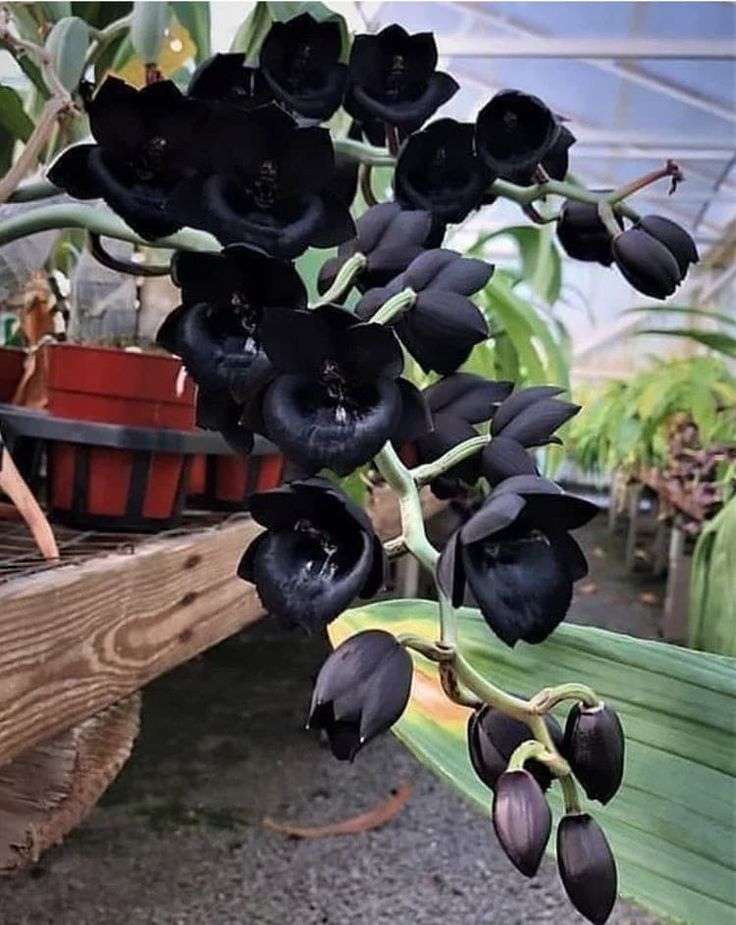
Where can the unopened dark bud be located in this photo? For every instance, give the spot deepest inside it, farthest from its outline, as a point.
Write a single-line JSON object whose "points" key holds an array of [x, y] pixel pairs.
{"points": [[594, 747], [675, 239], [522, 820], [493, 737], [587, 867], [646, 263]]}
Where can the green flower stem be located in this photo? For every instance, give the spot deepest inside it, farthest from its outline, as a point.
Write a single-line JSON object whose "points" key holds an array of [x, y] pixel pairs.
{"points": [[670, 169], [545, 700], [605, 213], [394, 306], [570, 794], [424, 474], [399, 480], [494, 696], [343, 280], [364, 154], [430, 650], [38, 189], [454, 690], [525, 752], [101, 222]]}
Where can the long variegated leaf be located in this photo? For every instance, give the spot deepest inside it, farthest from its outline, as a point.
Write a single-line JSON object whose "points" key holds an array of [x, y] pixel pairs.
{"points": [[672, 826]]}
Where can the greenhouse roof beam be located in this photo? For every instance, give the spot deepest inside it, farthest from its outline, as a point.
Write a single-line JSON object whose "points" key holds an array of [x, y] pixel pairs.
{"points": [[589, 48]]}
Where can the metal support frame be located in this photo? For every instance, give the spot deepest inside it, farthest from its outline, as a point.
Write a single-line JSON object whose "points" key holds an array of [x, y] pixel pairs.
{"points": [[623, 48]]}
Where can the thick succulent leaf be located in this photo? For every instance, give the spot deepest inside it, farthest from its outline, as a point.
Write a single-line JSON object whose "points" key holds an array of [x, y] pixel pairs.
{"points": [[670, 826]]}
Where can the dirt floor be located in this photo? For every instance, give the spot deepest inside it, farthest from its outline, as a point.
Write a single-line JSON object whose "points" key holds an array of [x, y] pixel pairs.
{"points": [[178, 838]]}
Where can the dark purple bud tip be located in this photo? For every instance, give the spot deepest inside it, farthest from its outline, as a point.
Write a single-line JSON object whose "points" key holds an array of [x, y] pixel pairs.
{"points": [[594, 746], [646, 263], [675, 239], [587, 867], [522, 820]]}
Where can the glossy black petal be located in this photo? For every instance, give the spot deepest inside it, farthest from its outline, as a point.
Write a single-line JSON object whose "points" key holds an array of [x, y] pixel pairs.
{"points": [[448, 271], [389, 237], [535, 424], [497, 513], [361, 691], [583, 235], [504, 458], [224, 78], [557, 160], [441, 330], [493, 737], [416, 418], [70, 171], [522, 820], [514, 132], [299, 60], [587, 867], [438, 170], [674, 238], [467, 396], [216, 410], [594, 746], [393, 78], [317, 428], [646, 263], [518, 401], [523, 584]]}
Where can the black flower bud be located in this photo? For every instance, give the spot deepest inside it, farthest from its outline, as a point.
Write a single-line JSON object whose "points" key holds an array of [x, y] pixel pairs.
{"points": [[514, 132], [594, 746], [361, 691], [522, 820], [583, 235], [587, 867], [493, 737], [647, 264], [675, 239]]}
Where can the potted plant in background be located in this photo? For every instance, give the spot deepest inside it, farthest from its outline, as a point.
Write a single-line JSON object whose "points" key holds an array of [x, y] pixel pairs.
{"points": [[227, 174]]}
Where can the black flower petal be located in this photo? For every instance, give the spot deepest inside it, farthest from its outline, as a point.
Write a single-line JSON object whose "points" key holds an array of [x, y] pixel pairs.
{"points": [[594, 746], [438, 170], [299, 61], [504, 458], [441, 330], [216, 410], [467, 396], [646, 263], [514, 132], [448, 271], [583, 235], [361, 691], [416, 418], [224, 78]]}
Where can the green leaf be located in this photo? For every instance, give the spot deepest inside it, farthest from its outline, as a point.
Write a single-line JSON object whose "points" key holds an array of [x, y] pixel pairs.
{"points": [[684, 310], [195, 17], [541, 266], [67, 44], [13, 118], [56, 11], [252, 31], [712, 612], [29, 68], [99, 15], [671, 826], [147, 28], [714, 340]]}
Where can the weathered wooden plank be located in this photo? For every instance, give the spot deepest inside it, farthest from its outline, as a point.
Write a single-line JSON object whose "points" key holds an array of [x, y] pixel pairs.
{"points": [[76, 639]]}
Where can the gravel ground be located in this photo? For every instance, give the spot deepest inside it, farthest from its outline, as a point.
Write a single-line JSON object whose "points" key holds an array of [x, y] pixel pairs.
{"points": [[178, 838]]}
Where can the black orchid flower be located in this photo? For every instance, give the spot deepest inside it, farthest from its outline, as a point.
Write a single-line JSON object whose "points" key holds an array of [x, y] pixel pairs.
{"points": [[335, 400], [269, 185], [438, 170], [527, 418], [443, 325], [493, 737], [393, 78], [583, 235], [216, 330], [223, 78], [318, 553], [595, 745], [647, 263], [361, 691], [556, 162], [457, 402], [216, 409], [147, 143], [389, 237], [299, 60], [518, 557], [514, 133]]}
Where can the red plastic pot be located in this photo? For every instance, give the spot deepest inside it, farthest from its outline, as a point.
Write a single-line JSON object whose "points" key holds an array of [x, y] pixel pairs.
{"points": [[117, 488], [225, 483], [11, 370]]}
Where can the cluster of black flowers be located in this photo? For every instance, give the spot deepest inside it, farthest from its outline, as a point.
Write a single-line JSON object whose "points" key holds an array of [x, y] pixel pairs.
{"points": [[593, 744]]}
